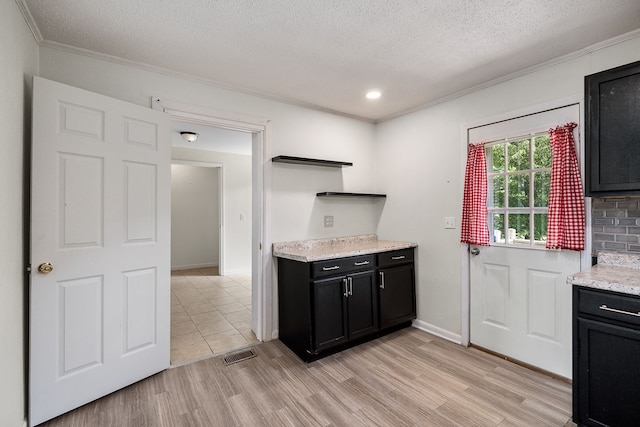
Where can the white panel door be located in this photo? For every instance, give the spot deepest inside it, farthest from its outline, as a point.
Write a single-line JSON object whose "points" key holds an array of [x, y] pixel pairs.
{"points": [[100, 216], [521, 304]]}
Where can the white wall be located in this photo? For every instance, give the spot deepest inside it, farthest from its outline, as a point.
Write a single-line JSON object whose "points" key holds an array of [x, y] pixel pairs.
{"points": [[417, 159], [195, 219], [420, 162], [236, 181], [18, 63], [296, 214], [295, 131]]}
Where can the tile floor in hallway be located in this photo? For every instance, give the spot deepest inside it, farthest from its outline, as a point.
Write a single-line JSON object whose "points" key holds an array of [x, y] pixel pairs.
{"points": [[210, 314]]}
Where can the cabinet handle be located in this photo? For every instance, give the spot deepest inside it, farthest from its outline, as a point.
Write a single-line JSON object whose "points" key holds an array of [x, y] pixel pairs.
{"points": [[361, 263], [335, 267], [350, 280], [615, 310], [395, 258], [381, 280], [346, 292]]}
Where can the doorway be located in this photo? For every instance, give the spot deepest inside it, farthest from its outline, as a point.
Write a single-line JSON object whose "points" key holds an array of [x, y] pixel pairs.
{"points": [[211, 284], [261, 262], [516, 301]]}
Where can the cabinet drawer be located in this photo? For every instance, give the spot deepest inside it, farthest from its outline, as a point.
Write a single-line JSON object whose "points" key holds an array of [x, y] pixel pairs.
{"points": [[339, 266], [623, 308], [395, 257]]}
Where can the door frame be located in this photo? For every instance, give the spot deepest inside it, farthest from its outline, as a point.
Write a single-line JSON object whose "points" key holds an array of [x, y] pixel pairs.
{"points": [[260, 128], [465, 257]]}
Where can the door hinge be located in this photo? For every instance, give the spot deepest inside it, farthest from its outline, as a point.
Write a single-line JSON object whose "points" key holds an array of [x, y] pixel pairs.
{"points": [[29, 268], [260, 246]]}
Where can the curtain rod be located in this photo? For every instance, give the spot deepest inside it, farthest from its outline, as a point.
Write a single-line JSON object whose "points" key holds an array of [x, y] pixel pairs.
{"points": [[518, 137], [524, 115]]}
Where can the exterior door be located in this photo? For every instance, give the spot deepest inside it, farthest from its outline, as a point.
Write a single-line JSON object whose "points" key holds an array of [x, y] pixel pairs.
{"points": [[100, 234], [521, 304]]}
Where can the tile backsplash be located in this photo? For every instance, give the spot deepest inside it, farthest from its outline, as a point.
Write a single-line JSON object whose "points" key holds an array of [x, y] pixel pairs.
{"points": [[615, 224]]}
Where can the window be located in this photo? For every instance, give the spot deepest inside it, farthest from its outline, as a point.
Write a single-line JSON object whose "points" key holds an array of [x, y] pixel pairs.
{"points": [[519, 176]]}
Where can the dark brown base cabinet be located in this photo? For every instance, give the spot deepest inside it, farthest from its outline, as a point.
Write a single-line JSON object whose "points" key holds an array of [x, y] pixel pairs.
{"points": [[326, 306], [606, 358]]}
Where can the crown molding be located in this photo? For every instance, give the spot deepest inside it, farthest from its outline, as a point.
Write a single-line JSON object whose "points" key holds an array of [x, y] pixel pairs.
{"points": [[31, 23], [529, 70], [194, 78], [226, 86]]}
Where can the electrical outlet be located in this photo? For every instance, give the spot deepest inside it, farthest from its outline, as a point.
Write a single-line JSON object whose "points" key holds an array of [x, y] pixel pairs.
{"points": [[328, 221], [449, 222]]}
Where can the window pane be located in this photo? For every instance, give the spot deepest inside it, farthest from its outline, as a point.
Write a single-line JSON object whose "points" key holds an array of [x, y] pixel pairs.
{"points": [[495, 197], [518, 155], [496, 227], [495, 158], [541, 185], [518, 191], [518, 232], [541, 152], [540, 228]]}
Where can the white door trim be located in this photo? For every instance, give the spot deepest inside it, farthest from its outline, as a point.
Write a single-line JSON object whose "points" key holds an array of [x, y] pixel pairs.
{"points": [[262, 312], [585, 258]]}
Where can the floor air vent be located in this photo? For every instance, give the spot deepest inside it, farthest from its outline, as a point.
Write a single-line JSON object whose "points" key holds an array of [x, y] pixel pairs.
{"points": [[238, 357]]}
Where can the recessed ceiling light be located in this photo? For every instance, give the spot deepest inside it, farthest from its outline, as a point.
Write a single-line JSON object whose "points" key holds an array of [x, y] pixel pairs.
{"points": [[374, 94]]}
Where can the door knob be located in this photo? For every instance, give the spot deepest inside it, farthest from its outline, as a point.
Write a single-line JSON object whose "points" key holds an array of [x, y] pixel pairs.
{"points": [[45, 268], [474, 251]]}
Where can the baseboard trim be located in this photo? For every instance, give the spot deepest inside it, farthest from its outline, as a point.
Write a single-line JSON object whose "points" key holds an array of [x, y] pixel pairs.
{"points": [[435, 330], [190, 266], [275, 334]]}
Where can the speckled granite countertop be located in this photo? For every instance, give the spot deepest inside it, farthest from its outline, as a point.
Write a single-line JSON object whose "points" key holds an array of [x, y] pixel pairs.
{"points": [[616, 272], [337, 247]]}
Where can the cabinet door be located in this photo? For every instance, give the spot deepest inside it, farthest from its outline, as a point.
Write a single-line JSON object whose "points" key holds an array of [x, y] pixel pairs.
{"points": [[397, 295], [608, 374], [612, 149], [329, 314], [362, 303]]}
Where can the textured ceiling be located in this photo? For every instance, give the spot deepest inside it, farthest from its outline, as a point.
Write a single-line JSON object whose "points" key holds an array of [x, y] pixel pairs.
{"points": [[327, 53]]}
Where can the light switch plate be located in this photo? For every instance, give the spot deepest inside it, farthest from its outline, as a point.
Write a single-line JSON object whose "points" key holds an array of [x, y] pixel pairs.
{"points": [[328, 221], [449, 222]]}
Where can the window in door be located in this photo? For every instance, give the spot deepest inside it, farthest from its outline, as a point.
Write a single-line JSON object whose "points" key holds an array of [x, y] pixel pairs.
{"points": [[519, 177]]}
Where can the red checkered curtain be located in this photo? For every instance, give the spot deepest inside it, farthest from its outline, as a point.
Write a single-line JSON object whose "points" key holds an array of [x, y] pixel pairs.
{"points": [[475, 230], [566, 221]]}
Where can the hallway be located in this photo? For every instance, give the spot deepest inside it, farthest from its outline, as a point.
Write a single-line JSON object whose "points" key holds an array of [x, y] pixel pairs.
{"points": [[210, 314]]}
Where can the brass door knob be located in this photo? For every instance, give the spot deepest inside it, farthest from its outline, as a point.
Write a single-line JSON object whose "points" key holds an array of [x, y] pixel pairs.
{"points": [[45, 268]]}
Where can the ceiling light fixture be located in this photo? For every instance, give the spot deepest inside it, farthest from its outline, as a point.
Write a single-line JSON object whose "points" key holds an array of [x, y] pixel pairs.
{"points": [[189, 136], [374, 94]]}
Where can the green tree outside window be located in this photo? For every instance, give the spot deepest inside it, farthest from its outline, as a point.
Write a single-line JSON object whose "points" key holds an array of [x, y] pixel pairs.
{"points": [[519, 176]]}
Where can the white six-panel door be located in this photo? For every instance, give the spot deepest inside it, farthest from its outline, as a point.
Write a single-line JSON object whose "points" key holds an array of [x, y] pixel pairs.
{"points": [[521, 304], [100, 215]]}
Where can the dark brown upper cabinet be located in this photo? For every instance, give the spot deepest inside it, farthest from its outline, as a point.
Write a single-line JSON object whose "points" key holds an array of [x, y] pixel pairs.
{"points": [[613, 131]]}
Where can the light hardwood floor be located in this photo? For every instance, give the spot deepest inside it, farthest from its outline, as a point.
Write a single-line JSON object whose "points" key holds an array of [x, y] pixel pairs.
{"points": [[408, 378]]}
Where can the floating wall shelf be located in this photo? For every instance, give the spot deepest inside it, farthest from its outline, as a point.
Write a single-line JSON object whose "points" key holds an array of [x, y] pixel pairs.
{"points": [[339, 194], [312, 162]]}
